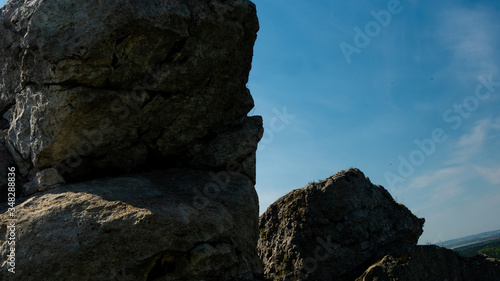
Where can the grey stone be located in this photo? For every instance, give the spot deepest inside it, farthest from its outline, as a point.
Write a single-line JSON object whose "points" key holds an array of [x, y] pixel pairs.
{"points": [[174, 224], [46, 179], [333, 229], [429, 263], [97, 94], [107, 87], [6, 161]]}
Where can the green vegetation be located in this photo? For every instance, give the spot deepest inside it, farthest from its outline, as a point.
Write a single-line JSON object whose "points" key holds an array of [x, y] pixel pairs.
{"points": [[402, 260], [490, 248], [491, 252], [262, 232]]}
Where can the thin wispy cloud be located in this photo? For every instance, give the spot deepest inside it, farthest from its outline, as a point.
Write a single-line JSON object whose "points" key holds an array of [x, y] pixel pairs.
{"points": [[476, 138], [464, 157], [470, 145], [436, 178], [448, 190], [461, 174], [492, 174], [471, 36]]}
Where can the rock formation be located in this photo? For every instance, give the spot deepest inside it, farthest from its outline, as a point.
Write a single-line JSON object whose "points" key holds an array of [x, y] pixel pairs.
{"points": [[340, 227], [422, 263], [150, 226], [5, 161], [333, 229], [105, 87], [129, 120], [126, 122]]}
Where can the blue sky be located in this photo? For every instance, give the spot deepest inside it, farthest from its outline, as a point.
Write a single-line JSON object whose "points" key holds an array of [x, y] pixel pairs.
{"points": [[404, 109], [399, 102]]}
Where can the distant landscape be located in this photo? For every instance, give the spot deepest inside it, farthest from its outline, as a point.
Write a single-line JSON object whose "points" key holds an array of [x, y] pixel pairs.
{"points": [[487, 243]]}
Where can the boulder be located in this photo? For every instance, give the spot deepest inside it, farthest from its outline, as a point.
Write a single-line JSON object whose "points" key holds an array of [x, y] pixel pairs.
{"points": [[175, 224], [6, 162], [429, 263], [105, 87], [333, 229], [126, 122]]}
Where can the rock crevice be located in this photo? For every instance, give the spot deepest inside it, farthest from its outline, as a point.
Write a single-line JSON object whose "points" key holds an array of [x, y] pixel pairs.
{"points": [[81, 86], [127, 124]]}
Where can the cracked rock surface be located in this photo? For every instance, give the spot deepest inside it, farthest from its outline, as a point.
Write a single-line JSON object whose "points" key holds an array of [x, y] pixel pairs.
{"points": [[105, 87], [151, 226], [126, 122], [333, 229]]}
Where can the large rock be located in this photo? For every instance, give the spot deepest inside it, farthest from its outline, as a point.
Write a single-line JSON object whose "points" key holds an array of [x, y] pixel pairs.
{"points": [[104, 87], [429, 263], [163, 225], [94, 96], [6, 162], [333, 229]]}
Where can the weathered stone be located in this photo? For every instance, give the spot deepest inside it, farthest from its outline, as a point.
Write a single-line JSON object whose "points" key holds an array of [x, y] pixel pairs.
{"points": [[163, 225], [107, 87], [108, 90], [46, 179], [236, 145], [429, 263], [6, 161], [333, 229], [4, 125]]}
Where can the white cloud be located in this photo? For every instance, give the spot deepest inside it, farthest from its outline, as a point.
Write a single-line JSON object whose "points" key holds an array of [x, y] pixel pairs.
{"points": [[448, 190], [492, 174], [470, 35], [472, 144], [433, 178], [452, 189], [476, 138], [439, 187]]}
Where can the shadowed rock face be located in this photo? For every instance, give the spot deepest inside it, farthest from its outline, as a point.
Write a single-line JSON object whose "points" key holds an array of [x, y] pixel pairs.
{"points": [[95, 95], [108, 87], [342, 226], [5, 162], [139, 227], [333, 229], [127, 124], [422, 263]]}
